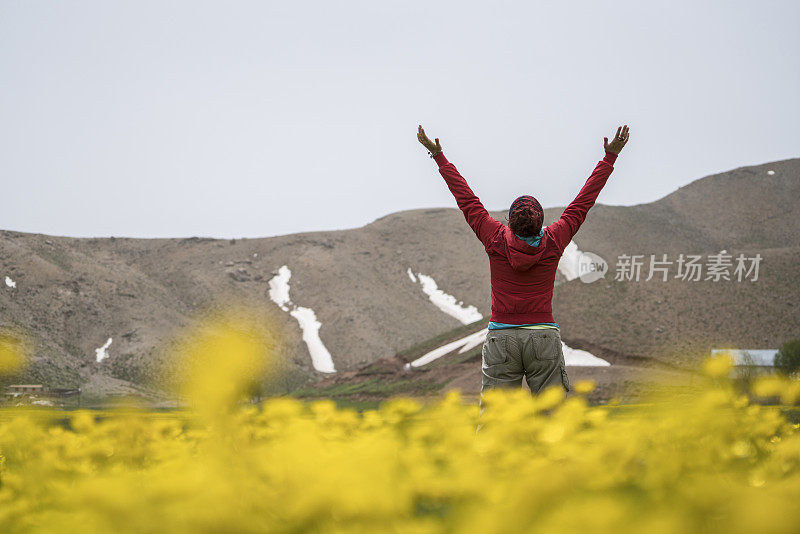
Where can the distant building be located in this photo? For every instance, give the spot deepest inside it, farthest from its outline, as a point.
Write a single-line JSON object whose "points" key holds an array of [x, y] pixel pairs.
{"points": [[756, 357], [24, 389], [38, 390]]}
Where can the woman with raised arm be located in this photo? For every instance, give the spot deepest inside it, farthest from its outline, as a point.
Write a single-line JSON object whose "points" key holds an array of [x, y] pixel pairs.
{"points": [[523, 338]]}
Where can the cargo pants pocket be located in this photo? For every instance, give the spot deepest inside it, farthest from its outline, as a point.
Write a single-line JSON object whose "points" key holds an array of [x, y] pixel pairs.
{"points": [[499, 365], [547, 345], [494, 351]]}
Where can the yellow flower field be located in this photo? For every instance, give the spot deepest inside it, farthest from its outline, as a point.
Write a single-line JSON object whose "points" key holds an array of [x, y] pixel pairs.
{"points": [[704, 462]]}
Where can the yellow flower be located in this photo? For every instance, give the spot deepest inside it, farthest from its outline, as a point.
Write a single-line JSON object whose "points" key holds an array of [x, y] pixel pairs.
{"points": [[583, 387], [223, 360], [718, 366], [14, 351], [665, 465]]}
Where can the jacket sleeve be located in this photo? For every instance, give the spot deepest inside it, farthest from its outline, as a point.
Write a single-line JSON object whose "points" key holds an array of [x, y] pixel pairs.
{"points": [[483, 224], [567, 226]]}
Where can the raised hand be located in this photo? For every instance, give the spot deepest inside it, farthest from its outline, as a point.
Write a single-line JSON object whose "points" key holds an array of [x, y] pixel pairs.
{"points": [[615, 146], [433, 148]]}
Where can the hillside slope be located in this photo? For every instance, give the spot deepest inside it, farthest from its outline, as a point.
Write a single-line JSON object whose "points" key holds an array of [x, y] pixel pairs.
{"points": [[73, 294]]}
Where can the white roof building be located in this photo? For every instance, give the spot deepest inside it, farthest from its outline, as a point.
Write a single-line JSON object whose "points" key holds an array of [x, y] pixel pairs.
{"points": [[760, 357]]}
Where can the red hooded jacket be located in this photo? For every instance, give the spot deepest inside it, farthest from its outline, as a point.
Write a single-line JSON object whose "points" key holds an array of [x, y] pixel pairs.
{"points": [[523, 276]]}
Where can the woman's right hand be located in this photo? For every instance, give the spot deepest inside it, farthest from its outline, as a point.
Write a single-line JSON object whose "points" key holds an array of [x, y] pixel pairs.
{"points": [[433, 148]]}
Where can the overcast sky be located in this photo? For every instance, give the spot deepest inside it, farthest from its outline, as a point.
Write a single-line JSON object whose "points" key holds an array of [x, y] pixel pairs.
{"points": [[246, 119]]}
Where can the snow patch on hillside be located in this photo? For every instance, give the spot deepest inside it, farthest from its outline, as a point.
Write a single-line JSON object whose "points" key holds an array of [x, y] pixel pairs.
{"points": [[465, 344], [279, 294], [10, 283], [572, 357], [320, 356], [568, 264], [102, 353], [279, 288], [575, 357], [447, 303]]}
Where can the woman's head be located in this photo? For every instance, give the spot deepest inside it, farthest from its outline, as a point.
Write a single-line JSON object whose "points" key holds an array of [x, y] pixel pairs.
{"points": [[525, 216]]}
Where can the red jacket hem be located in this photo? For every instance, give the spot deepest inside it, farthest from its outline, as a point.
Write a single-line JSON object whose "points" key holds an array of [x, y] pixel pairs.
{"points": [[522, 318]]}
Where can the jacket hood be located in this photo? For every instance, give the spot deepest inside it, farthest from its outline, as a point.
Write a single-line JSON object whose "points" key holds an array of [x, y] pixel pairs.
{"points": [[521, 255]]}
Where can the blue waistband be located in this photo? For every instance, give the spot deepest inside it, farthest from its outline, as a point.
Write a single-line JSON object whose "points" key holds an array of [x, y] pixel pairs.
{"points": [[500, 326]]}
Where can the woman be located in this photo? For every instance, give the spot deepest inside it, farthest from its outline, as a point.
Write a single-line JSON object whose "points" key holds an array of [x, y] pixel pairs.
{"points": [[523, 338]]}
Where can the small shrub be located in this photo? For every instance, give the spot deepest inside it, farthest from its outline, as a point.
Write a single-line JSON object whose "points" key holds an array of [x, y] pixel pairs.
{"points": [[787, 361]]}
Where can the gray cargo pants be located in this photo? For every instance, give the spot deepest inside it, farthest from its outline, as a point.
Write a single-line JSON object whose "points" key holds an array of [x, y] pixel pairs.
{"points": [[511, 353]]}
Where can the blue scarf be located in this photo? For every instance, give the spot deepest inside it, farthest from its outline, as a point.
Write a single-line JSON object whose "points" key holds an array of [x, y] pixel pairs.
{"points": [[533, 240]]}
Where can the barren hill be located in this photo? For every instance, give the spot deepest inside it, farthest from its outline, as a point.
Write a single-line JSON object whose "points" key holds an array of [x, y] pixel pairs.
{"points": [[750, 211], [73, 294]]}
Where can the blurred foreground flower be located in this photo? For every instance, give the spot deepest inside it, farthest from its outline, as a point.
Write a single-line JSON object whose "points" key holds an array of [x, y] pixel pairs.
{"points": [[584, 387], [718, 366], [224, 360], [709, 461], [14, 352]]}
